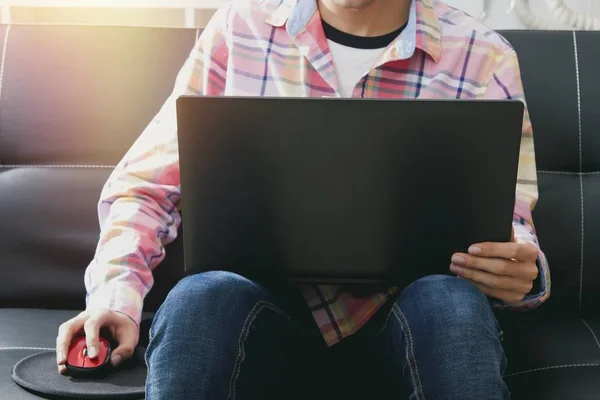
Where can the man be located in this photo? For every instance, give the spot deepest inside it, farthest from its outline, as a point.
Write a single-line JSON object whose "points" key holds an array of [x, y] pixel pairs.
{"points": [[221, 336]]}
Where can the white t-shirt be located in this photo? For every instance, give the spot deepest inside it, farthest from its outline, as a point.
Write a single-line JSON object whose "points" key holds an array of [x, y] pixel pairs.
{"points": [[351, 64], [354, 56]]}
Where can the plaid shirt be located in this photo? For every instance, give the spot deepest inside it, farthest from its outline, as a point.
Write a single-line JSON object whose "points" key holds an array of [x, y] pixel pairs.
{"points": [[274, 48]]}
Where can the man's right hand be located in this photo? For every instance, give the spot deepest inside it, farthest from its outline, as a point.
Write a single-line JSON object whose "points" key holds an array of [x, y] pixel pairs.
{"points": [[121, 327]]}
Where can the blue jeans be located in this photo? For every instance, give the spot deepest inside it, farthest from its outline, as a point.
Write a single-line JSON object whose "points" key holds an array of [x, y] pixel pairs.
{"points": [[219, 336]]}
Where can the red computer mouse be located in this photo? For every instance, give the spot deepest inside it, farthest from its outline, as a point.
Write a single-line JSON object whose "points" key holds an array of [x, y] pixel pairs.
{"points": [[79, 364]]}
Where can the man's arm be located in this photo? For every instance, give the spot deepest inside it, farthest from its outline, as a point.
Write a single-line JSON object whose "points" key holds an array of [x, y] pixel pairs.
{"points": [[491, 276], [138, 205], [506, 83]]}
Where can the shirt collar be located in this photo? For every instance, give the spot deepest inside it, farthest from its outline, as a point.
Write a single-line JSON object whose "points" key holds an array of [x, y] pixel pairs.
{"points": [[422, 30]]}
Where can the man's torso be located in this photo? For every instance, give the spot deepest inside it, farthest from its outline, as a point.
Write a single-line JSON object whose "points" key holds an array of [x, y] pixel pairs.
{"points": [[280, 49]]}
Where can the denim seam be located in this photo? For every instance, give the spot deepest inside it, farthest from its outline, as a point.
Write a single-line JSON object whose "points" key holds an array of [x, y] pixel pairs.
{"points": [[386, 323], [258, 307], [500, 337], [150, 336], [496, 330], [414, 371]]}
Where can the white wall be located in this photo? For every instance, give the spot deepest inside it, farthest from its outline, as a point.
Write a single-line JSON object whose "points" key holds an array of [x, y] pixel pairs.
{"points": [[180, 12], [498, 19]]}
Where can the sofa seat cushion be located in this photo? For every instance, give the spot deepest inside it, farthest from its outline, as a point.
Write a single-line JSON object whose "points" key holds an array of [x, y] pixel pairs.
{"points": [[552, 357], [31, 327], [549, 358], [24, 332], [573, 382]]}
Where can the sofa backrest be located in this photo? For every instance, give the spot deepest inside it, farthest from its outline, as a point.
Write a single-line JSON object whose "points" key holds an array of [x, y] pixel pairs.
{"points": [[74, 99], [562, 87]]}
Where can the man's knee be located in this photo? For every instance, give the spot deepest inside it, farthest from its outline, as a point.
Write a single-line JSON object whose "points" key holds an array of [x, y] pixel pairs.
{"points": [[445, 302], [201, 291]]}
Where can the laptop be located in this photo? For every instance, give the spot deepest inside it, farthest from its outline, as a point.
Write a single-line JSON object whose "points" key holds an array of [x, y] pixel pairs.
{"points": [[343, 191]]}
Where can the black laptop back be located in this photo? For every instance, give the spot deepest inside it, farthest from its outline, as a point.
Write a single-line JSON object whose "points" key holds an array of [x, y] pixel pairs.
{"points": [[343, 190]]}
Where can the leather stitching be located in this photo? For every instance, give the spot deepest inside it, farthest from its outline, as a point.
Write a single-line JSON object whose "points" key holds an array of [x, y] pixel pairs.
{"points": [[410, 351], [569, 173], [27, 348], [3, 60], [552, 367], [580, 165], [258, 307], [591, 331]]}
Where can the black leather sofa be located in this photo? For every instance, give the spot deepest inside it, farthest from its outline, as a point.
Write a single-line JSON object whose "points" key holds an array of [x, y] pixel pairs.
{"points": [[73, 99]]}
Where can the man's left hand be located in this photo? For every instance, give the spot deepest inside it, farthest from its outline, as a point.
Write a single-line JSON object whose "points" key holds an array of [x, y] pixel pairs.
{"points": [[504, 271]]}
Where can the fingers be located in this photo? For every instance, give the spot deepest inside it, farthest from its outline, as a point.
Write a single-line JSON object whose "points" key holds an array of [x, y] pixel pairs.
{"points": [[498, 266], [492, 280], [505, 271], [66, 331], [126, 333], [527, 271], [125, 349], [507, 296], [122, 328], [526, 252], [92, 332], [519, 251]]}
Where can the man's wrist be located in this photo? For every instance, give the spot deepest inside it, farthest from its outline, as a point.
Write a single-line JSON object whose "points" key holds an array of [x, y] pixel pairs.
{"points": [[120, 298]]}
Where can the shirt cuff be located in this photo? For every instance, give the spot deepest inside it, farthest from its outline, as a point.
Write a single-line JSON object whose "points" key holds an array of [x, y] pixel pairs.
{"points": [[119, 297], [535, 298]]}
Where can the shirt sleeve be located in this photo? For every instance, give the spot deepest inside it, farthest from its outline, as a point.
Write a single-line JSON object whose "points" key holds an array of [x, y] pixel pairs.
{"points": [[506, 83], [138, 206]]}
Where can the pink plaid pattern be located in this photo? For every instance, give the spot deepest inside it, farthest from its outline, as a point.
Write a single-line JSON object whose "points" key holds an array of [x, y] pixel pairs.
{"points": [[278, 48]]}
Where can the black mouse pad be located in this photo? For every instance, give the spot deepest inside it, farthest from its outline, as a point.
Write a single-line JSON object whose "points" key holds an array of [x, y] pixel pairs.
{"points": [[38, 374]]}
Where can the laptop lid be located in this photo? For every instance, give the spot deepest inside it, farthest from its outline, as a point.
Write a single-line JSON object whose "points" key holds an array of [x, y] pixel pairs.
{"points": [[343, 190]]}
